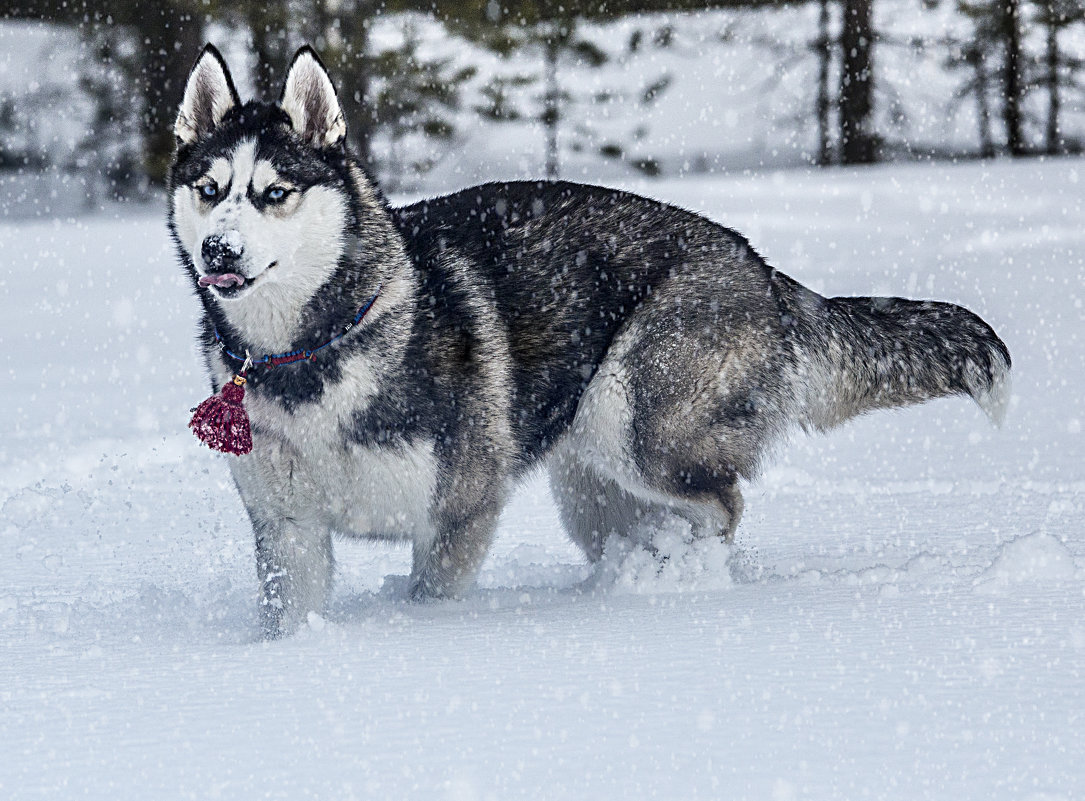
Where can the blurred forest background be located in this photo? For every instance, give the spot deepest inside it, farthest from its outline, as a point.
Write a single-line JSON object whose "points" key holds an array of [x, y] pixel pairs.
{"points": [[442, 90]]}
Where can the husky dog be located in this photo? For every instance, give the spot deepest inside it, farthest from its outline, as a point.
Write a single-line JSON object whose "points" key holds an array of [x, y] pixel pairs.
{"points": [[646, 355]]}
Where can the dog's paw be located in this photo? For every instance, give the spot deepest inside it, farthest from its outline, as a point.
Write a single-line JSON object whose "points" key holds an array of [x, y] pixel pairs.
{"points": [[422, 591], [418, 592], [277, 622]]}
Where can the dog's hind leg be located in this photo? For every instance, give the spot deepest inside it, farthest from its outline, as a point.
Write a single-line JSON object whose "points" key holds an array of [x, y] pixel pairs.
{"points": [[593, 507], [694, 470], [679, 424], [715, 513]]}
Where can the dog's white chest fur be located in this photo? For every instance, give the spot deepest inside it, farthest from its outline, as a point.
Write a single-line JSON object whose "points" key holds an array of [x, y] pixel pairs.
{"points": [[309, 467], [388, 492]]}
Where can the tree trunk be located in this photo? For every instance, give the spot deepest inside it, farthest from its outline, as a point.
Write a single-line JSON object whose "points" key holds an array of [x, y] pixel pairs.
{"points": [[1011, 77], [171, 35], [1054, 146], [267, 21], [987, 144], [824, 48], [353, 73], [315, 21], [857, 141], [551, 112]]}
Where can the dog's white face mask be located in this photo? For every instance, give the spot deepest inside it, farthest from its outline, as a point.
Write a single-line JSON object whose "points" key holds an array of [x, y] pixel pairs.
{"points": [[261, 239]]}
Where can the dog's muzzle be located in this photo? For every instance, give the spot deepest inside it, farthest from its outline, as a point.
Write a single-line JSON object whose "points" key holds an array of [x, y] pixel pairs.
{"points": [[222, 252], [222, 258]]}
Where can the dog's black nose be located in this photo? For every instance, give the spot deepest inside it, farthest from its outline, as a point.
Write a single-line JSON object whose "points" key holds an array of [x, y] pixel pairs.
{"points": [[220, 251]]}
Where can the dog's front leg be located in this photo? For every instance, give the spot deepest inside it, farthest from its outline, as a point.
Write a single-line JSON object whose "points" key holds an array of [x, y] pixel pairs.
{"points": [[446, 564], [294, 563]]}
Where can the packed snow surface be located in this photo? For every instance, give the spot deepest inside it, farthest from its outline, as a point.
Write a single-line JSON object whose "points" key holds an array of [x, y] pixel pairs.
{"points": [[902, 614]]}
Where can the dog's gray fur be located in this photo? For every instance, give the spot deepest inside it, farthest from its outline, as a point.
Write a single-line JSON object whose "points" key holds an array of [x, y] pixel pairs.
{"points": [[647, 355]]}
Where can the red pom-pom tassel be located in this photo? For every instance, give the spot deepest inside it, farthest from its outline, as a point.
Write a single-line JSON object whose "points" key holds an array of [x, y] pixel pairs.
{"points": [[221, 421]]}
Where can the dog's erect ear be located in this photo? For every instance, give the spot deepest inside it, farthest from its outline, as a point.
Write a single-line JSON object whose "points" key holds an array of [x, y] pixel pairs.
{"points": [[309, 100], [209, 94]]}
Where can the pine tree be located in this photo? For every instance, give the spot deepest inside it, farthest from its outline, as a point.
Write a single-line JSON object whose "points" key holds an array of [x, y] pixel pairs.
{"points": [[979, 57], [824, 47], [170, 34], [413, 95], [269, 31], [551, 41], [1058, 69], [558, 41], [998, 62], [1009, 28], [858, 141], [109, 152]]}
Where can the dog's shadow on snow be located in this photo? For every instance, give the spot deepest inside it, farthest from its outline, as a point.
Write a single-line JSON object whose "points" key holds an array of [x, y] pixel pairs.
{"points": [[668, 563], [665, 565]]}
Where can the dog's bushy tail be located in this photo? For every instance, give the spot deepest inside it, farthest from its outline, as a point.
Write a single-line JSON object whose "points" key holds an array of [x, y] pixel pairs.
{"points": [[876, 353]]}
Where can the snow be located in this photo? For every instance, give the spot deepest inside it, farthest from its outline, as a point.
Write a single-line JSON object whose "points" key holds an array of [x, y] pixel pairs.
{"points": [[902, 614], [1036, 558]]}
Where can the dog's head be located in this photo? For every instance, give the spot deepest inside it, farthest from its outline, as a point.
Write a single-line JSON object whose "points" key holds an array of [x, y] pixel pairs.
{"points": [[262, 195]]}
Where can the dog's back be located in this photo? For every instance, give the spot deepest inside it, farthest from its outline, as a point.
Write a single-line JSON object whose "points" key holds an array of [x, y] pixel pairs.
{"points": [[568, 265], [657, 356]]}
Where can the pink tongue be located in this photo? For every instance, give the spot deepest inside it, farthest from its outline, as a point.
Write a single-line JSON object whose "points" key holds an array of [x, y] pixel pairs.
{"points": [[222, 279]]}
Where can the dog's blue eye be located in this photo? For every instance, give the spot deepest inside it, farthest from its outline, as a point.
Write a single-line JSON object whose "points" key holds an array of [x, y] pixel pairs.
{"points": [[210, 190], [276, 193]]}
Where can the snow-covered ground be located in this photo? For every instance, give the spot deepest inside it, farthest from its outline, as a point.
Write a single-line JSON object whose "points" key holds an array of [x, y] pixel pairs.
{"points": [[902, 616]]}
